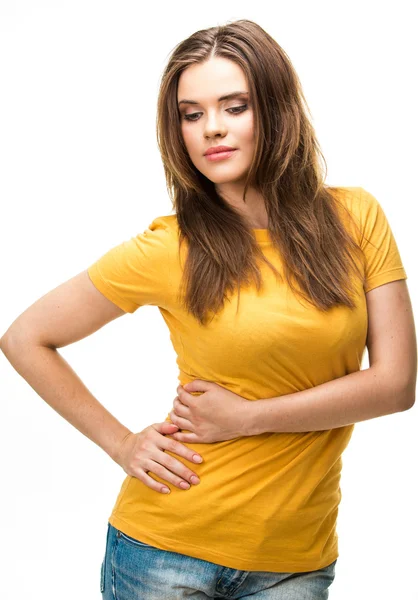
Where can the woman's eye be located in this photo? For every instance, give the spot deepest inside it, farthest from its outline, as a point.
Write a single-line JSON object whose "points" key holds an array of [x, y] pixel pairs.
{"points": [[238, 109]]}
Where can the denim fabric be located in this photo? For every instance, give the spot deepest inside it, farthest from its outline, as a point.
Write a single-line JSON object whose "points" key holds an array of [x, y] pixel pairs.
{"points": [[133, 570]]}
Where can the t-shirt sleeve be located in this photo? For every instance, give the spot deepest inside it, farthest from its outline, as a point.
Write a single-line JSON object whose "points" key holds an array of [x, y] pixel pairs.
{"points": [[383, 262], [135, 272]]}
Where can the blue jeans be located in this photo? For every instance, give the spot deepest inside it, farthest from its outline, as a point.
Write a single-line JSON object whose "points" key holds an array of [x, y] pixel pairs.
{"points": [[133, 570]]}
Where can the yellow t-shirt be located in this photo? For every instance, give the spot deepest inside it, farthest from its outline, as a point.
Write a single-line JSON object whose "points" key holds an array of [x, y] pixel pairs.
{"points": [[266, 502]]}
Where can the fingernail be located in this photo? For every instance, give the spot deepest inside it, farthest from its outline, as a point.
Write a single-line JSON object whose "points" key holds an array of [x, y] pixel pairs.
{"points": [[197, 458]]}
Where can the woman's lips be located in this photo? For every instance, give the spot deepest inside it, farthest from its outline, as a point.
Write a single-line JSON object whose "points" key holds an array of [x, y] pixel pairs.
{"points": [[219, 155]]}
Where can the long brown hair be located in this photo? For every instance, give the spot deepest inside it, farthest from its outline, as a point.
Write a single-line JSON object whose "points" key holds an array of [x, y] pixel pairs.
{"points": [[303, 219]]}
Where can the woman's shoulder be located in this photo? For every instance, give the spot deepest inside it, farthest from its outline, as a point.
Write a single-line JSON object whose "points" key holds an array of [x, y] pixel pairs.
{"points": [[167, 222], [346, 193], [163, 230], [353, 196], [356, 199]]}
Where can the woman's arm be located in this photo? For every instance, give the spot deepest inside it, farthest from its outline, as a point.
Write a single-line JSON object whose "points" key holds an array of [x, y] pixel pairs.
{"points": [[66, 314], [355, 397], [53, 379]]}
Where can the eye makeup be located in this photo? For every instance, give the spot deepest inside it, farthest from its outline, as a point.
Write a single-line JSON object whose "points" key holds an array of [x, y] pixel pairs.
{"points": [[234, 110]]}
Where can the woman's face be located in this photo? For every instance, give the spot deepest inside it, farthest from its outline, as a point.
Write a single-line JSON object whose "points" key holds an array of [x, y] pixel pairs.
{"points": [[209, 121]]}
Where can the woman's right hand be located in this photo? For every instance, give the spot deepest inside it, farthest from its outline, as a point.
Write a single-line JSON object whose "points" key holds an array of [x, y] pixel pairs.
{"points": [[143, 452]]}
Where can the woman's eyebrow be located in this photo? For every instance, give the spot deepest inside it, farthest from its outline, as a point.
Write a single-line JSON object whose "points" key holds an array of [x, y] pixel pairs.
{"points": [[226, 97]]}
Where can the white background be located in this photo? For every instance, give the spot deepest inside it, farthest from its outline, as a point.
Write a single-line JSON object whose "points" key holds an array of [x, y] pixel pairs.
{"points": [[81, 171]]}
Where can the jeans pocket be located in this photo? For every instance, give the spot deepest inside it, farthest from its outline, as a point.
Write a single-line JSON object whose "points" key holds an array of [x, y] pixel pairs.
{"points": [[102, 576], [133, 541]]}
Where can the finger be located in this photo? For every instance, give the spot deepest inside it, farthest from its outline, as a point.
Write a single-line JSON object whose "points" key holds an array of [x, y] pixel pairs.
{"points": [[181, 422], [185, 397], [181, 409], [186, 437]]}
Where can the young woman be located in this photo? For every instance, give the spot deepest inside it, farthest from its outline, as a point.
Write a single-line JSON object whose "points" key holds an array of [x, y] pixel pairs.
{"points": [[271, 283]]}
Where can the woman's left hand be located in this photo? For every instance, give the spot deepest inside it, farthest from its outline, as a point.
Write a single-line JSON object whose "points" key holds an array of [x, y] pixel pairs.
{"points": [[215, 415]]}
